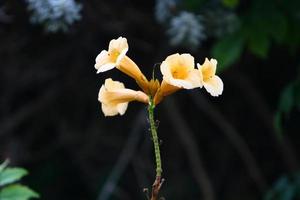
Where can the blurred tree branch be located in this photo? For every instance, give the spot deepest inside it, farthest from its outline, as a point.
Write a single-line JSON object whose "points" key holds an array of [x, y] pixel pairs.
{"points": [[234, 137], [188, 141], [126, 155], [260, 107]]}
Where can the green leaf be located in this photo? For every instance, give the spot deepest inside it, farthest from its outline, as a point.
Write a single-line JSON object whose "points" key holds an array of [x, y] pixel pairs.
{"points": [[286, 101], [230, 3], [3, 165], [17, 192], [228, 50], [259, 44], [297, 93], [10, 175]]}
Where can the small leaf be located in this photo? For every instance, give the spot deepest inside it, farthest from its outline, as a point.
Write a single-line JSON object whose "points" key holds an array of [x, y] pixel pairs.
{"points": [[259, 44], [228, 50], [17, 192], [3, 165], [286, 101], [10, 175]]}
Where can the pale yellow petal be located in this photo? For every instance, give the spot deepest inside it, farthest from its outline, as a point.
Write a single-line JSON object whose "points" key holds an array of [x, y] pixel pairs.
{"points": [[122, 107], [214, 86], [121, 56], [186, 84], [200, 73], [208, 69], [188, 60], [106, 67], [114, 97], [118, 44], [113, 85], [112, 110], [103, 62], [195, 78]]}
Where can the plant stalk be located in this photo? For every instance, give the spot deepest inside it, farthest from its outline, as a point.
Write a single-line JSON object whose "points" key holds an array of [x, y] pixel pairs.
{"points": [[151, 107]]}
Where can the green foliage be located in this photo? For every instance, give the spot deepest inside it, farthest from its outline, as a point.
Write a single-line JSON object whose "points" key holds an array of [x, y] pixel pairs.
{"points": [[289, 99], [8, 189], [10, 175], [285, 188], [227, 50], [261, 25], [17, 192], [230, 3]]}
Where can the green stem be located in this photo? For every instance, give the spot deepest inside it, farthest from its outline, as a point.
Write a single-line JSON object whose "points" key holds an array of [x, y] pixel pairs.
{"points": [[151, 107]]}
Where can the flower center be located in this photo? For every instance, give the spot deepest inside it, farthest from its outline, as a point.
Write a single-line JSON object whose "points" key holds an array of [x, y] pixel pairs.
{"points": [[179, 71], [114, 55], [207, 74]]}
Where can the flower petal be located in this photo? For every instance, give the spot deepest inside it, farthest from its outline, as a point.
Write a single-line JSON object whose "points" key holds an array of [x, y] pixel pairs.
{"points": [[106, 67], [208, 68], [109, 110], [195, 78], [121, 56], [122, 107], [118, 44], [214, 86]]}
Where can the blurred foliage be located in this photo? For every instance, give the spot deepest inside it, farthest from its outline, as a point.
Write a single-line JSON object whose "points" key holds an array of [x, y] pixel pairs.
{"points": [[54, 15], [253, 27], [286, 187], [260, 25], [9, 189], [289, 99]]}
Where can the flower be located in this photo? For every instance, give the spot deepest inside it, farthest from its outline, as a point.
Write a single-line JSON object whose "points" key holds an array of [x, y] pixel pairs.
{"points": [[114, 97], [108, 60], [116, 57], [178, 70], [211, 82]]}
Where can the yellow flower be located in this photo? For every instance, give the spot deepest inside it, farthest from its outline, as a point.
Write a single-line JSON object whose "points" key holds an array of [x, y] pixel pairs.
{"points": [[211, 82], [116, 57], [114, 97], [178, 70], [108, 60]]}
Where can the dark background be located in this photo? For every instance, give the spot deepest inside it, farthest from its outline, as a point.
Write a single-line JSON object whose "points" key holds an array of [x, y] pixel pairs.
{"points": [[212, 148]]}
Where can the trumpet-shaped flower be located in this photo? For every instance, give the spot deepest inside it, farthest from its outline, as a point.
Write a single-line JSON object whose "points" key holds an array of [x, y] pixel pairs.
{"points": [[108, 60], [211, 82], [178, 70], [116, 57], [114, 97]]}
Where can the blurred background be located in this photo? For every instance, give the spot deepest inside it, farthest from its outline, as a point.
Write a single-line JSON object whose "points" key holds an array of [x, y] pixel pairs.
{"points": [[242, 145]]}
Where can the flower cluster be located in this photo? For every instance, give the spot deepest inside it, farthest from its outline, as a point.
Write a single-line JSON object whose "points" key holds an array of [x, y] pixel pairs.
{"points": [[54, 14], [178, 72], [186, 29]]}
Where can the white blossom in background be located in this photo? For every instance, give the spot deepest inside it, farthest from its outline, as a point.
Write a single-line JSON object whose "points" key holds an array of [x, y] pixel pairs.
{"points": [[55, 15], [163, 9], [186, 29]]}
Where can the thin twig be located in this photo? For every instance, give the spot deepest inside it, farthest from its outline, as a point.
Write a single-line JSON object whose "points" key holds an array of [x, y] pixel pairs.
{"points": [[189, 143], [125, 157], [234, 137], [255, 100]]}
